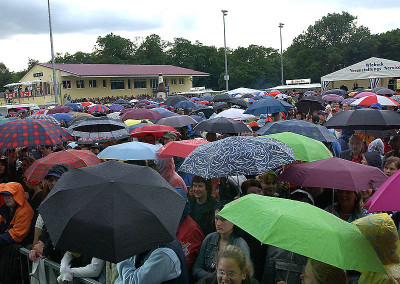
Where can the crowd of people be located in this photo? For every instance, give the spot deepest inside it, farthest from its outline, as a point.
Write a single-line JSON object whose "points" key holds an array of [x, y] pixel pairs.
{"points": [[208, 248]]}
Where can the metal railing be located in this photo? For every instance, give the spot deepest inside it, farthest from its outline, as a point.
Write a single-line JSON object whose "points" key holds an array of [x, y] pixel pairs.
{"points": [[51, 265]]}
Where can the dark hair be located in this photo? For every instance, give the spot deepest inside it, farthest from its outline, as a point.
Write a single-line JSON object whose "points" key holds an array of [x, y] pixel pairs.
{"points": [[236, 230], [207, 182], [248, 183], [394, 160], [358, 204]]}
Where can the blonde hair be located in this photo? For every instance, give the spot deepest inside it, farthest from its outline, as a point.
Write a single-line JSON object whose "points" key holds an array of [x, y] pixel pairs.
{"points": [[327, 274], [235, 253]]}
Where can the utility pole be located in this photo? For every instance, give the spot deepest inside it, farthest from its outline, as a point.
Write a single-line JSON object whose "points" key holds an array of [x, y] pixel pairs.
{"points": [[226, 77], [280, 31], [55, 85]]}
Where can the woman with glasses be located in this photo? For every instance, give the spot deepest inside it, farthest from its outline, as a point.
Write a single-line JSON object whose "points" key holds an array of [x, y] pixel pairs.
{"points": [[205, 264]]}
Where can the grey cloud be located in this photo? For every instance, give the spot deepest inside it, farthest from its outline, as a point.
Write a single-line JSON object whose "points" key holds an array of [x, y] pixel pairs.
{"points": [[31, 17]]}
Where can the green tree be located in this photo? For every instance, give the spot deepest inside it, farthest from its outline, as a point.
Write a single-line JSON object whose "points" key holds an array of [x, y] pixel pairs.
{"points": [[152, 51], [114, 49], [5, 76], [388, 45]]}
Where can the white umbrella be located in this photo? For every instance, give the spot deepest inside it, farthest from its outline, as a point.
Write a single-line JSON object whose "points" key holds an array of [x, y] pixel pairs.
{"points": [[234, 113]]}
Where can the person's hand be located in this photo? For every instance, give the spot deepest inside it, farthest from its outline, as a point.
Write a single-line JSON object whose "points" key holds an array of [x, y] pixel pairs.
{"points": [[34, 254], [39, 247]]}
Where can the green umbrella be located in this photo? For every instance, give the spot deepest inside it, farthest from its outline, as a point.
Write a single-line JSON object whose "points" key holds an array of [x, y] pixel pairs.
{"points": [[304, 148], [304, 229]]}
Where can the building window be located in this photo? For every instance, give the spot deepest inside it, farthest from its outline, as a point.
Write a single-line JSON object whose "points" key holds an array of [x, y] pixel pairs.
{"points": [[139, 84], [104, 84], [92, 83], [129, 84], [153, 83], [66, 84], [117, 85], [165, 82], [80, 84], [181, 81], [173, 81]]}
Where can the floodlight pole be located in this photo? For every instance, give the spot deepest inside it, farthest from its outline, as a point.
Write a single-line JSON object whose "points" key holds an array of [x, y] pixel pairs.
{"points": [[280, 31], [55, 87], [226, 77]]}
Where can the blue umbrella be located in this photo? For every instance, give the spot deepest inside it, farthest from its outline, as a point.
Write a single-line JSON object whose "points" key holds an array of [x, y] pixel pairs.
{"points": [[133, 127], [160, 110], [75, 107], [301, 127], [116, 107], [195, 98], [206, 98], [237, 155], [62, 116], [130, 151], [185, 104], [268, 105]]}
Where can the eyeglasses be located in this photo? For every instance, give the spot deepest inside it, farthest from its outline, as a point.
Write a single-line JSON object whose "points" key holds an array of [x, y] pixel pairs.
{"points": [[230, 274]]}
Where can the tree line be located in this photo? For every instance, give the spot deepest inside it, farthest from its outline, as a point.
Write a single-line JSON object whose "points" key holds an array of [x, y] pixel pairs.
{"points": [[333, 42]]}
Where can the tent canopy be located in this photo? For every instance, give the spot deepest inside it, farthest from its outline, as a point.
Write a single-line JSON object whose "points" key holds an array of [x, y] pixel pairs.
{"points": [[370, 68], [298, 86]]}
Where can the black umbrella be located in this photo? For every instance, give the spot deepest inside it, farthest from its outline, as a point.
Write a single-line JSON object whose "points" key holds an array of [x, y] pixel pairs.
{"points": [[171, 101], [112, 211], [220, 106], [222, 125], [206, 110], [239, 102], [308, 104], [159, 100], [365, 119], [221, 98], [385, 92], [121, 101], [98, 127], [336, 92]]}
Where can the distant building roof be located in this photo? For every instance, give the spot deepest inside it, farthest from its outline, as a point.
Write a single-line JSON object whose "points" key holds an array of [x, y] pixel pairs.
{"points": [[123, 70]]}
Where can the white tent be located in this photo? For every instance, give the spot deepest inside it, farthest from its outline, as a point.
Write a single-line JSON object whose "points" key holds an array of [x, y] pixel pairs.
{"points": [[298, 86], [372, 69], [242, 91]]}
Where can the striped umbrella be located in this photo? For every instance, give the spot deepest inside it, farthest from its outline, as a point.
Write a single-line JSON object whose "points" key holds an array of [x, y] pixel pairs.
{"points": [[368, 101], [363, 94], [40, 111], [48, 118], [28, 132], [98, 108]]}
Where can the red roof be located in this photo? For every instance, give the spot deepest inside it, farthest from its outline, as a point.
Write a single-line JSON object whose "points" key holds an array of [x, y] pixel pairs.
{"points": [[123, 70]]}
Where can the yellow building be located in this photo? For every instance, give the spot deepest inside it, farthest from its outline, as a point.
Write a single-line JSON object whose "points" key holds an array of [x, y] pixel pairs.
{"points": [[77, 81]]}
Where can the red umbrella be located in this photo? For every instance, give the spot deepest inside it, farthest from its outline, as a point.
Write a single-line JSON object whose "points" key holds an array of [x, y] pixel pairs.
{"points": [[203, 103], [157, 130], [59, 109], [84, 104], [334, 173], [274, 93], [98, 108], [141, 114], [180, 148], [73, 159]]}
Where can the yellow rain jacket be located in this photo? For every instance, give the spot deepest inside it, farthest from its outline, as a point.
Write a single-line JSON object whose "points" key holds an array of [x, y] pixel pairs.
{"points": [[382, 233]]}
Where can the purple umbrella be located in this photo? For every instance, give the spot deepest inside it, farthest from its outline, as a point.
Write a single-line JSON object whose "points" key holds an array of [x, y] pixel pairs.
{"points": [[141, 114], [59, 109], [332, 98], [116, 107], [177, 121], [364, 94], [334, 173], [387, 197], [348, 101]]}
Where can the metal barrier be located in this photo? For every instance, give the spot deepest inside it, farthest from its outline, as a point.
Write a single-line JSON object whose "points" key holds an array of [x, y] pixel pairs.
{"points": [[51, 265]]}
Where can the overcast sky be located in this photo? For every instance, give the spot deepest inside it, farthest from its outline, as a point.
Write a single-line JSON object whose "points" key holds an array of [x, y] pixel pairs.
{"points": [[24, 29]]}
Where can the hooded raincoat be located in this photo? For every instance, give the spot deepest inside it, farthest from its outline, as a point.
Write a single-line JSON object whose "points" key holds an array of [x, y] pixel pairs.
{"points": [[382, 233], [15, 223], [166, 168]]}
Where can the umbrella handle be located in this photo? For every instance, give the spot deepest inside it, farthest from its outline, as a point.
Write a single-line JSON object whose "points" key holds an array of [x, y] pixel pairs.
{"points": [[290, 266]]}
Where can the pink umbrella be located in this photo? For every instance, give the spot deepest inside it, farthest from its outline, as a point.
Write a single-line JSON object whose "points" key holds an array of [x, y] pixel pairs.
{"points": [[180, 148], [334, 173], [387, 197], [332, 98], [364, 94]]}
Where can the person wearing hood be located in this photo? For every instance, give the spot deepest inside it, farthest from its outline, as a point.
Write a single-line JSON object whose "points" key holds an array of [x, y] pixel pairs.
{"points": [[15, 220], [381, 231], [166, 168]]}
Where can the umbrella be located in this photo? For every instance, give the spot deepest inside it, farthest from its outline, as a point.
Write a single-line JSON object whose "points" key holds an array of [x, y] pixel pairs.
{"points": [[156, 130], [185, 104], [332, 98], [48, 118], [98, 108], [206, 110], [301, 127], [206, 98], [386, 198], [71, 158], [318, 234], [116, 107], [365, 119], [310, 103], [222, 125], [268, 106], [180, 148], [74, 107], [84, 104], [114, 115], [273, 93], [364, 94], [8, 119], [239, 155], [21, 111], [63, 116], [40, 111], [369, 100], [80, 114], [234, 113], [130, 151], [141, 114], [173, 100], [348, 101], [151, 106], [239, 102], [313, 93], [177, 121], [133, 127], [396, 98], [119, 210], [59, 109], [99, 127], [28, 132], [334, 173], [250, 96], [304, 148], [121, 101], [221, 105], [158, 100], [130, 122], [249, 100], [221, 98], [385, 92], [339, 92]]}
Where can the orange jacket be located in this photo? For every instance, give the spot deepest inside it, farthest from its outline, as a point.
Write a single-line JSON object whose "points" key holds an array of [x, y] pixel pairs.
{"points": [[21, 221]]}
